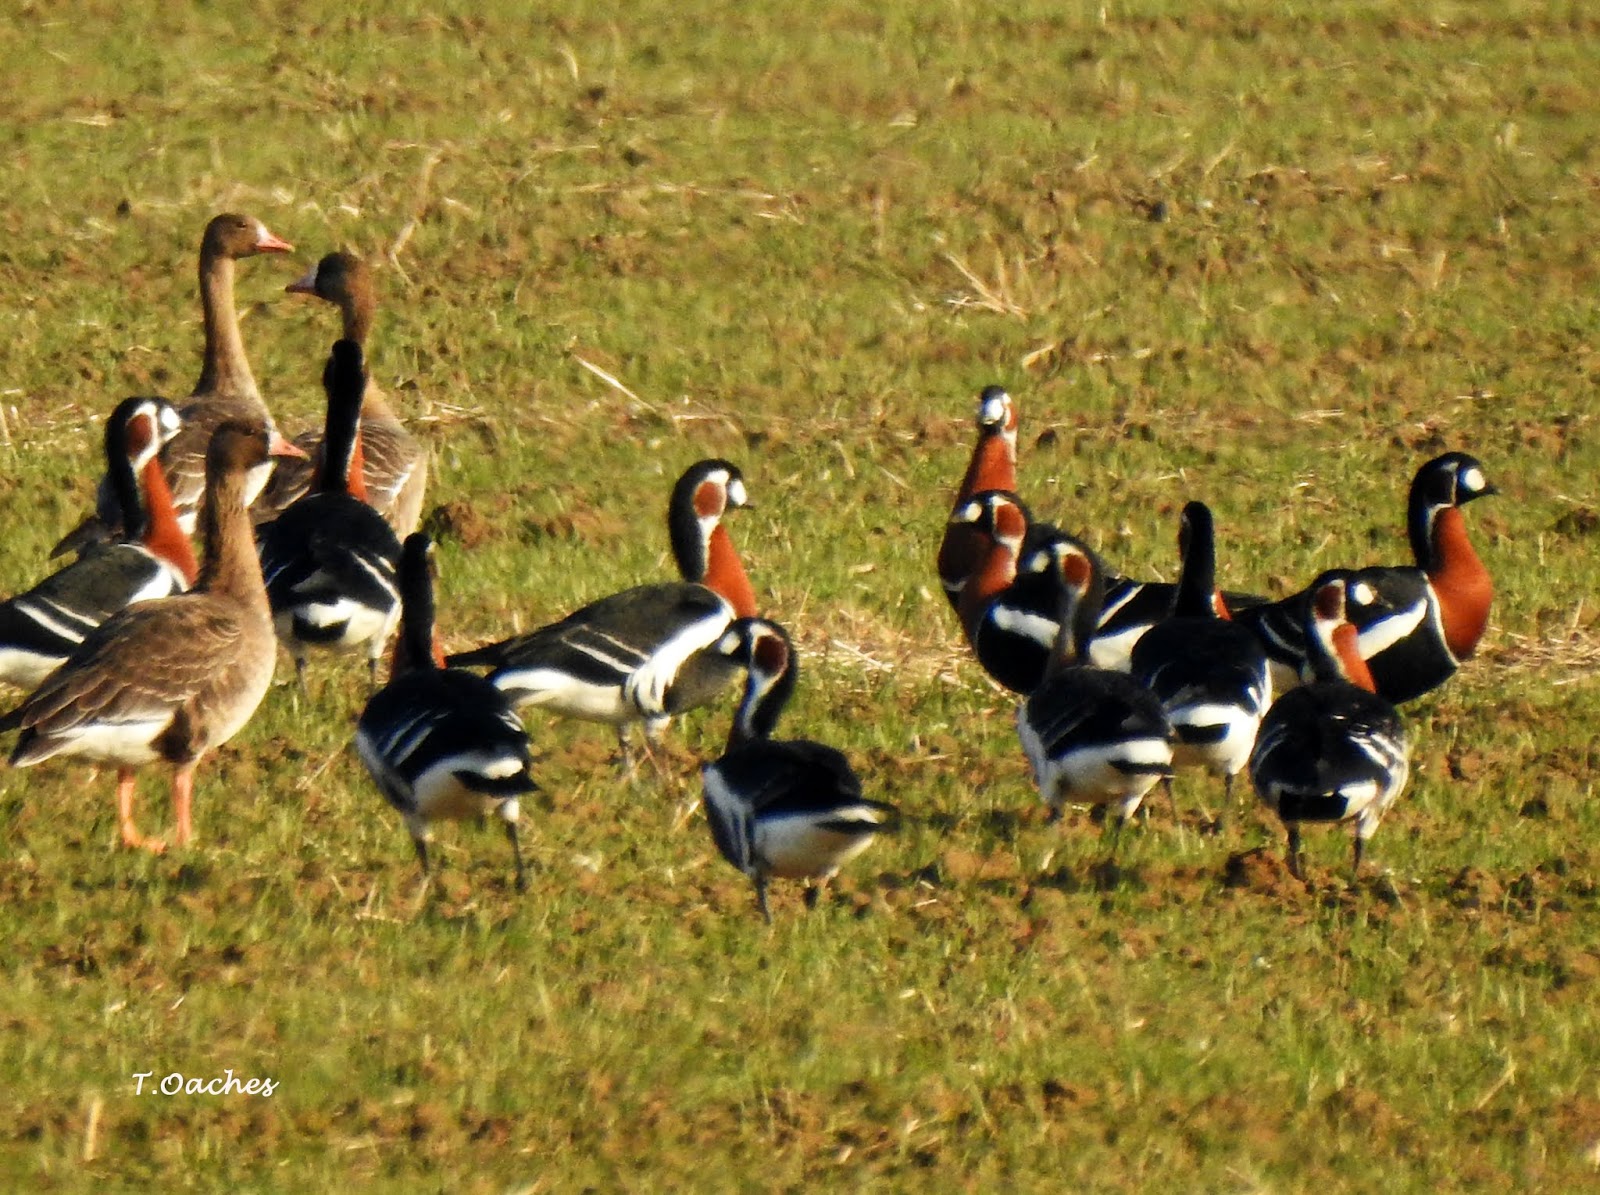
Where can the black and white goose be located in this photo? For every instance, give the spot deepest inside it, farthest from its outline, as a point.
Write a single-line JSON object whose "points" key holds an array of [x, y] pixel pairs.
{"points": [[1209, 674], [1009, 619], [992, 466], [1426, 618], [786, 809], [329, 559], [39, 629], [1091, 735], [1332, 750], [441, 742], [640, 656]]}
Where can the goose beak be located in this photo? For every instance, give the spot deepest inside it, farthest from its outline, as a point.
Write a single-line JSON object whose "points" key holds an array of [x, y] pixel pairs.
{"points": [[266, 242], [305, 284], [278, 446]]}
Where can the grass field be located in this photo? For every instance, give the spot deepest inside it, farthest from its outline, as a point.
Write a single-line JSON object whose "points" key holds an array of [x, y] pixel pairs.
{"points": [[1272, 256]]}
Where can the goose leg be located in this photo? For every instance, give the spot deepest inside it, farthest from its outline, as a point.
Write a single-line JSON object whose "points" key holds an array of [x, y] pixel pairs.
{"points": [[183, 803], [422, 854], [1295, 868], [1172, 800], [1355, 868], [516, 853], [761, 898], [130, 832]]}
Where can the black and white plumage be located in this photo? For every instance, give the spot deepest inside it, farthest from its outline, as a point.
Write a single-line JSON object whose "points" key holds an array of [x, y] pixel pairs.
{"points": [[1425, 618], [642, 655], [1009, 617], [1091, 735], [1209, 674], [329, 559], [1331, 750], [442, 742], [790, 809], [40, 628]]}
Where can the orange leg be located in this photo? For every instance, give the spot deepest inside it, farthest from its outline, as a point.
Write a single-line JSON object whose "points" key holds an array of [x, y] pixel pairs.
{"points": [[183, 802], [130, 832]]}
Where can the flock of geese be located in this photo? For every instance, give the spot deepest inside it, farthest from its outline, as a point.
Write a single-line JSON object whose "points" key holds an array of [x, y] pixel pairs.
{"points": [[1124, 681], [136, 653]]}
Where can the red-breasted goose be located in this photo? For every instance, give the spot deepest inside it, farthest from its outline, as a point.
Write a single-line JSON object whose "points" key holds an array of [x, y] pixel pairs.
{"points": [[1332, 750], [169, 679], [330, 559], [792, 808], [441, 742]]}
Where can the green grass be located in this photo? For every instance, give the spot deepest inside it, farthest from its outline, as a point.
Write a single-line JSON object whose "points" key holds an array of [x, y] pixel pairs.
{"points": [[1269, 257]]}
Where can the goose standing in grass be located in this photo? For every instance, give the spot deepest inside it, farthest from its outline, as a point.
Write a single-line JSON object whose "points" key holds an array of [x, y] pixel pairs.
{"points": [[1091, 735], [993, 466], [329, 559], [168, 680], [640, 656], [1010, 622], [226, 390], [1332, 750], [441, 742], [39, 629], [1209, 674], [394, 463], [1426, 618], [790, 809]]}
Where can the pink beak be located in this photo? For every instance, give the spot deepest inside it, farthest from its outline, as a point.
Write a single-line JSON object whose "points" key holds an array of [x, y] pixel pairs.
{"points": [[267, 243], [278, 446]]}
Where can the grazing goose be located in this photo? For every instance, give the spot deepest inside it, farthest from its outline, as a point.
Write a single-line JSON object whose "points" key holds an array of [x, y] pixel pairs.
{"points": [[394, 463], [226, 389], [1091, 735], [1209, 674], [329, 559], [41, 628], [168, 679], [1332, 750], [441, 742], [640, 655], [792, 808], [1427, 617]]}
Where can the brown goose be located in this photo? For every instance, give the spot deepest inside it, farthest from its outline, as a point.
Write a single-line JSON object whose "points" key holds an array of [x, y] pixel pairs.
{"points": [[226, 389], [395, 463], [167, 680]]}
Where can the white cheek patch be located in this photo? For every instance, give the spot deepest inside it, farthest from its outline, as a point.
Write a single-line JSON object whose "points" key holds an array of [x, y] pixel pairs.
{"points": [[1473, 480], [736, 493]]}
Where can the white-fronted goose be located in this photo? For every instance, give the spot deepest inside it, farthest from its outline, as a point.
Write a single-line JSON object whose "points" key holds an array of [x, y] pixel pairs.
{"points": [[395, 464], [167, 680], [226, 389]]}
